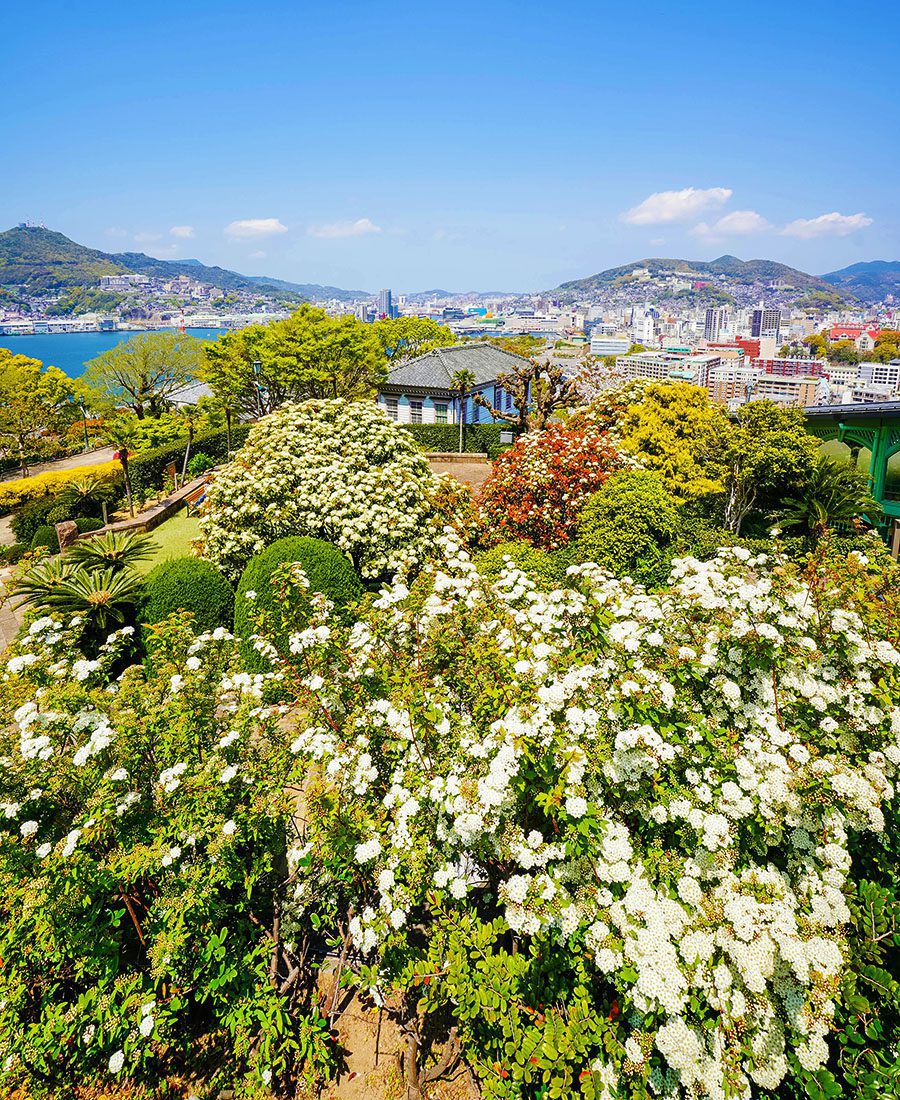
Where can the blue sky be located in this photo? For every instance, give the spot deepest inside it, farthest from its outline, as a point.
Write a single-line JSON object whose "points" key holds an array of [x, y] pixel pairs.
{"points": [[509, 145]]}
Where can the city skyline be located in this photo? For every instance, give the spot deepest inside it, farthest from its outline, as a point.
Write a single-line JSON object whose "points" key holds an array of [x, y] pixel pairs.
{"points": [[418, 149]]}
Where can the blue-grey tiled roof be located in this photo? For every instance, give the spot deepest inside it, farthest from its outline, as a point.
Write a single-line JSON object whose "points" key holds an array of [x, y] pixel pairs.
{"points": [[435, 369]]}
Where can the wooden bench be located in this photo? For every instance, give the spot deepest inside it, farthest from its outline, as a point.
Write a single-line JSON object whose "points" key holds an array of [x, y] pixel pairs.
{"points": [[195, 499]]}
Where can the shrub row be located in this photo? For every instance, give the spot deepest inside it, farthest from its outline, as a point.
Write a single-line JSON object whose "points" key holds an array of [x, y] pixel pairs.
{"points": [[147, 471], [14, 494], [50, 510], [477, 438]]}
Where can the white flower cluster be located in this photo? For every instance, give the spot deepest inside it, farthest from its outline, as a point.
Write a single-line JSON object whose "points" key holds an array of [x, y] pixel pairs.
{"points": [[336, 470], [726, 722], [53, 646]]}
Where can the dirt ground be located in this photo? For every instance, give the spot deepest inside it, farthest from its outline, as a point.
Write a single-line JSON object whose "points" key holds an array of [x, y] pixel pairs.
{"points": [[472, 470], [372, 1045]]}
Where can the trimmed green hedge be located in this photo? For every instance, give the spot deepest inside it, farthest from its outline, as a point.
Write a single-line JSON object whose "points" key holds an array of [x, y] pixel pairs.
{"points": [[148, 470], [187, 584], [477, 438], [328, 572]]}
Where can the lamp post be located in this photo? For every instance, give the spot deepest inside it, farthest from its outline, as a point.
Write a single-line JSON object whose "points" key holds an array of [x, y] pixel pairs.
{"points": [[257, 370], [87, 445]]}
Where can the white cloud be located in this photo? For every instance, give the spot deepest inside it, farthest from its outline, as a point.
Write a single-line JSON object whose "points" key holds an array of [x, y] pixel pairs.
{"points": [[146, 238], [254, 227], [182, 231], [360, 228], [257, 255], [675, 206], [826, 225], [739, 223], [116, 231]]}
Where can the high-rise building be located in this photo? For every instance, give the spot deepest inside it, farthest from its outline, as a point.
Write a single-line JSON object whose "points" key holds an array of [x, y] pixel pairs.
{"points": [[716, 320], [385, 308], [362, 311], [644, 328], [766, 322]]}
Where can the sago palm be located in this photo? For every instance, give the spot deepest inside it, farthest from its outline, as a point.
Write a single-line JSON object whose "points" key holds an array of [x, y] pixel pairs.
{"points": [[105, 598], [83, 494], [834, 493], [41, 581], [115, 550]]}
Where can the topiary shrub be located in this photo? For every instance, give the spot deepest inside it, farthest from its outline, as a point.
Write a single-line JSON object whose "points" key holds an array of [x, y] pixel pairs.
{"points": [[88, 523], [538, 564], [45, 537], [29, 518], [327, 571], [630, 527], [338, 470], [187, 584]]}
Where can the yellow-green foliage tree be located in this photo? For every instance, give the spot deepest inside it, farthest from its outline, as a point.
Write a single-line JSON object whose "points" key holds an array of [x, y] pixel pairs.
{"points": [[677, 432], [407, 337], [307, 355], [33, 405], [749, 461], [143, 372]]}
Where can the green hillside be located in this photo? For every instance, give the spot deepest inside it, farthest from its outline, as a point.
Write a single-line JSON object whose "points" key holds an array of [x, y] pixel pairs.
{"points": [[739, 272], [38, 259], [41, 259], [870, 282]]}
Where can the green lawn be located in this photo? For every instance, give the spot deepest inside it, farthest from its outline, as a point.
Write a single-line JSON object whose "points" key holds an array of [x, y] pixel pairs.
{"points": [[172, 539]]}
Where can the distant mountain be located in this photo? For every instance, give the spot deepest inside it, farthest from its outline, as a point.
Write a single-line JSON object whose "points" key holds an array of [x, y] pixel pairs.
{"points": [[870, 282], [39, 259], [424, 295], [738, 272]]}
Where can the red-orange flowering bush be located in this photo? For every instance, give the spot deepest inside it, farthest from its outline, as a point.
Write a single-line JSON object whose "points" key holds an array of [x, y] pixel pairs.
{"points": [[538, 487]]}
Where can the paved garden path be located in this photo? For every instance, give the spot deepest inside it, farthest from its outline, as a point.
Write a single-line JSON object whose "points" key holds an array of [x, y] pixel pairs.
{"points": [[10, 621]]}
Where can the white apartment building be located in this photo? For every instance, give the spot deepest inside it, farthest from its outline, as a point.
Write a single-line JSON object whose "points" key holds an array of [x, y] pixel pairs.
{"points": [[867, 392], [880, 374], [604, 344], [715, 324], [843, 374], [665, 366], [644, 328]]}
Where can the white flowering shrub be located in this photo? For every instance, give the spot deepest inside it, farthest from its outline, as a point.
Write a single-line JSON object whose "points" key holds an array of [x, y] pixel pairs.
{"points": [[143, 834], [336, 470], [605, 832], [595, 842]]}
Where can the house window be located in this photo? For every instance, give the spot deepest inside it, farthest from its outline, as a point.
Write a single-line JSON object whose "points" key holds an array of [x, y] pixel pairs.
{"points": [[391, 403], [415, 412], [498, 397], [440, 414], [508, 397]]}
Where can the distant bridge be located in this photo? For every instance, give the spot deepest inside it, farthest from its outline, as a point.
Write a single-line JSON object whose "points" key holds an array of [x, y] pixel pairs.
{"points": [[872, 434]]}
